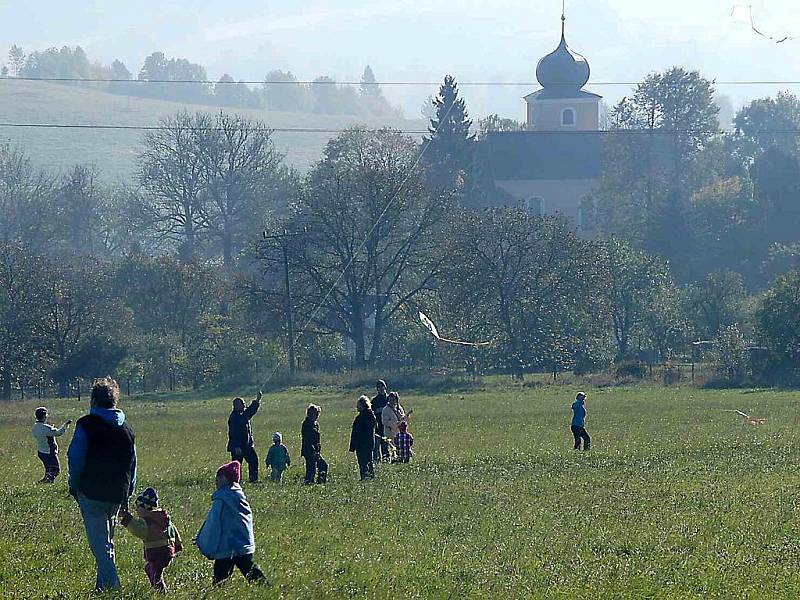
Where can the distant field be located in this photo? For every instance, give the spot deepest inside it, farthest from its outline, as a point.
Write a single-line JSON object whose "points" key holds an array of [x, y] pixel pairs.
{"points": [[114, 151], [678, 499]]}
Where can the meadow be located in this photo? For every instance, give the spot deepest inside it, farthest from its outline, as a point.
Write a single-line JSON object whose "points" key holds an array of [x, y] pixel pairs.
{"points": [[677, 499], [114, 151]]}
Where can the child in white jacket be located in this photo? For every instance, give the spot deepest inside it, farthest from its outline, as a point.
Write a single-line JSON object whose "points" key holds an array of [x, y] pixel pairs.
{"points": [[46, 445]]}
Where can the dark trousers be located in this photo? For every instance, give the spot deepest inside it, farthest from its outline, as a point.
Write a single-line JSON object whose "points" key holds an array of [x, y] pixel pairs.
{"points": [[223, 568], [316, 466], [155, 573], [51, 466], [579, 433], [249, 455], [365, 466]]}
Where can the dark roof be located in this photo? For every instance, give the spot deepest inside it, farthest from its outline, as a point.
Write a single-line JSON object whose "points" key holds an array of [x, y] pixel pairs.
{"points": [[558, 92], [530, 155], [563, 67]]}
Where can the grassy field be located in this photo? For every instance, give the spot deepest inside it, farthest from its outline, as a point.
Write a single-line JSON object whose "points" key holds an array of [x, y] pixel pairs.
{"points": [[114, 151], [677, 499]]}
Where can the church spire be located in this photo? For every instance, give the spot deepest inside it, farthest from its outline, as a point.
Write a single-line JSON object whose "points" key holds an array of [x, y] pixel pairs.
{"points": [[563, 17]]}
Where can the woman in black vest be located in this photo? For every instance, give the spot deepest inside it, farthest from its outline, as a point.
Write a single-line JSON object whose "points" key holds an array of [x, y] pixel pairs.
{"points": [[102, 474]]}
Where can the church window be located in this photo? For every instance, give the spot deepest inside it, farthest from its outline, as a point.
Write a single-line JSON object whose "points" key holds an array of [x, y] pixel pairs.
{"points": [[568, 117]]}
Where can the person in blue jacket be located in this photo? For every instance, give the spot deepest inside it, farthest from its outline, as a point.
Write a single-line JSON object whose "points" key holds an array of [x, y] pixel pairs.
{"points": [[102, 474], [226, 536], [579, 422]]}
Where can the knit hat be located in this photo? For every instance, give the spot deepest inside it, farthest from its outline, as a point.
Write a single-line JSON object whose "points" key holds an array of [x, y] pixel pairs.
{"points": [[381, 383], [403, 426], [231, 471], [40, 413], [148, 499], [277, 437]]}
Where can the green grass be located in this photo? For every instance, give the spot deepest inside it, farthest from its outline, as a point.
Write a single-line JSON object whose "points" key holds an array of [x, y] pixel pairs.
{"points": [[678, 499], [114, 151]]}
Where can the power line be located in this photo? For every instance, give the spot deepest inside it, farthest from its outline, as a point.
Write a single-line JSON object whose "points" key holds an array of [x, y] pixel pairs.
{"points": [[405, 131], [352, 83]]}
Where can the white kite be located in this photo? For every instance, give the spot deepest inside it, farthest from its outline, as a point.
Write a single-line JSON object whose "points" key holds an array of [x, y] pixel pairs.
{"points": [[748, 419], [435, 332], [744, 14]]}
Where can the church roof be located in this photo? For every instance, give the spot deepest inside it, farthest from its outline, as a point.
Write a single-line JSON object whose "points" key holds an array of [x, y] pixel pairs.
{"points": [[563, 72], [553, 155]]}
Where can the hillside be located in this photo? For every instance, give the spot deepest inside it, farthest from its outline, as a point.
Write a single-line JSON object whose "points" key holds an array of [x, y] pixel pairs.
{"points": [[114, 151]]}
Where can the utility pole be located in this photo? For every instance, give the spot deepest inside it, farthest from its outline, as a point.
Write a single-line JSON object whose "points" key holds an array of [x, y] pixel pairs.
{"points": [[283, 239]]}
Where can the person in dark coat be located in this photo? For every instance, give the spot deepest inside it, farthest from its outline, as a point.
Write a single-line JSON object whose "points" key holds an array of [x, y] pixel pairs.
{"points": [[362, 438], [311, 448], [102, 475], [381, 451], [240, 435]]}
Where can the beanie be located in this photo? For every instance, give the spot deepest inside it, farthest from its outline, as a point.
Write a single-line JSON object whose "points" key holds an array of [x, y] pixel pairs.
{"points": [[231, 471], [277, 437], [148, 499], [40, 413]]}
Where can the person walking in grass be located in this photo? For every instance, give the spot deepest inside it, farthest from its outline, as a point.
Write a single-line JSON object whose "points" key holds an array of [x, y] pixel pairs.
{"points": [[153, 526], [380, 400], [226, 536], [362, 438], [278, 457], [579, 422], [311, 447], [404, 443], [240, 435], [46, 446], [102, 474]]}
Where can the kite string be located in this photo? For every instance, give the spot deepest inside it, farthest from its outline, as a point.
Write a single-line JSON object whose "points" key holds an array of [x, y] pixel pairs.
{"points": [[426, 146]]}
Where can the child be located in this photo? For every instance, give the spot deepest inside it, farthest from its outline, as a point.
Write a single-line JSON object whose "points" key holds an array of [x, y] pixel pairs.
{"points": [[46, 445], [311, 447], [152, 525], [278, 457], [579, 422], [226, 536], [404, 443]]}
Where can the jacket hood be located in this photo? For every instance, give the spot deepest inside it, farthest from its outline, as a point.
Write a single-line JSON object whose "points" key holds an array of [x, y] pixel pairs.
{"points": [[158, 517], [234, 497], [114, 416]]}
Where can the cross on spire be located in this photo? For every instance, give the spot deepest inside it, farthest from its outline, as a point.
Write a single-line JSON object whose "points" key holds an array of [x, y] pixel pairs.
{"points": [[563, 15]]}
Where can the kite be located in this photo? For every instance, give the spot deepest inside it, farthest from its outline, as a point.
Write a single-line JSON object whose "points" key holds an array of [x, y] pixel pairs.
{"points": [[435, 332], [748, 419], [744, 14]]}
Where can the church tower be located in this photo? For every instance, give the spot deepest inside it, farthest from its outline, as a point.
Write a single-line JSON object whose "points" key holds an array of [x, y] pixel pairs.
{"points": [[562, 104]]}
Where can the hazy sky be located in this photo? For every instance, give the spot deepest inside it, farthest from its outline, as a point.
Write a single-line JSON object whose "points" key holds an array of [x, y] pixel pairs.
{"points": [[475, 40]]}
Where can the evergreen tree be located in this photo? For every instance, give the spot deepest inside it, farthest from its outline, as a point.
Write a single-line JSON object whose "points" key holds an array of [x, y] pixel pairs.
{"points": [[369, 85], [451, 147]]}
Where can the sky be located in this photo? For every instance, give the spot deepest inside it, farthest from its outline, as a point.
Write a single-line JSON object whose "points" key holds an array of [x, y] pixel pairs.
{"points": [[421, 40]]}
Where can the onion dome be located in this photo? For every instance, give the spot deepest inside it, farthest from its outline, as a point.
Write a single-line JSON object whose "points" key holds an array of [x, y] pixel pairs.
{"points": [[563, 71]]}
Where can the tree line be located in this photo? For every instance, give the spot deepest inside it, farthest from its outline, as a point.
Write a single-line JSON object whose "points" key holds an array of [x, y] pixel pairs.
{"points": [[159, 74], [218, 257]]}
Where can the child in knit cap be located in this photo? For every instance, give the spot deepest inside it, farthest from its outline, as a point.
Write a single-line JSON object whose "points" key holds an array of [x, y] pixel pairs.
{"points": [[404, 442], [153, 526], [46, 445], [226, 536], [278, 457]]}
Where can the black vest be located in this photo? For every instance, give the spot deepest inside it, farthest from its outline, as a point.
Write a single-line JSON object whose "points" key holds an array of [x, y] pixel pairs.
{"points": [[106, 474]]}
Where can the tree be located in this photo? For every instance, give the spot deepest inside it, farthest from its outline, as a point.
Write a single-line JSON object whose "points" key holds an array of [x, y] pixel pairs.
{"points": [[192, 86], [16, 60], [779, 321], [172, 174], [376, 239], [229, 93], [330, 98], [451, 146], [634, 279], [369, 85], [81, 206], [494, 123], [283, 92], [121, 75], [769, 123], [529, 285], [718, 302]]}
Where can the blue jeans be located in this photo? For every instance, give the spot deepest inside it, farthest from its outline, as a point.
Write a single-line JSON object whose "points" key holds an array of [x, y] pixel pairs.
{"points": [[99, 518]]}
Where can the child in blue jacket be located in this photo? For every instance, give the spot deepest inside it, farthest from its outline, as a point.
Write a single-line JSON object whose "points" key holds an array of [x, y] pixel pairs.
{"points": [[226, 536], [579, 422]]}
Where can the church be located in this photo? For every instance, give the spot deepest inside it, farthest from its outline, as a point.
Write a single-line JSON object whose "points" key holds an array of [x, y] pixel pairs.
{"points": [[552, 166]]}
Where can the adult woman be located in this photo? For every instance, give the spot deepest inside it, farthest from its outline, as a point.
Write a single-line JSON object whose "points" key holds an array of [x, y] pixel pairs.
{"points": [[392, 415], [362, 438]]}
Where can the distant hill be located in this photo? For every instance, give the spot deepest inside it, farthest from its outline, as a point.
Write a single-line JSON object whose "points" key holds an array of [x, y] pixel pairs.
{"points": [[114, 151]]}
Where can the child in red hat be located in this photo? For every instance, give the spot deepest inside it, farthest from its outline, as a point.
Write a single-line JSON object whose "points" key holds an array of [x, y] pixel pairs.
{"points": [[226, 536]]}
